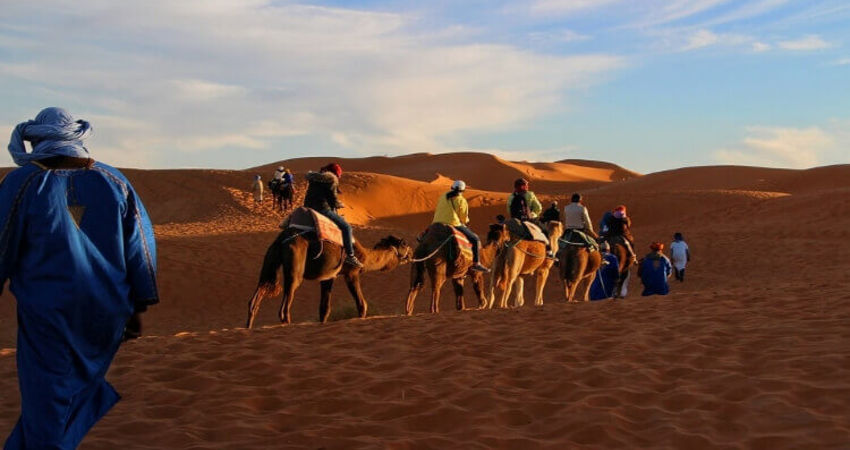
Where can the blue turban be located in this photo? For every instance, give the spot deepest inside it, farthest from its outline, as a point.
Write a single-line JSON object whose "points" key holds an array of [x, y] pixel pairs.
{"points": [[54, 132]]}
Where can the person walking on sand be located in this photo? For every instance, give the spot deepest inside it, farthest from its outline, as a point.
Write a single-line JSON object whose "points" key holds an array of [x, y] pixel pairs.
{"points": [[680, 255], [257, 189], [606, 276], [654, 270], [78, 249]]}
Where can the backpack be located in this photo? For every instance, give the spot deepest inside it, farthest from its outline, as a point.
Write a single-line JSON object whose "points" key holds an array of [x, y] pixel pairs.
{"points": [[519, 207]]}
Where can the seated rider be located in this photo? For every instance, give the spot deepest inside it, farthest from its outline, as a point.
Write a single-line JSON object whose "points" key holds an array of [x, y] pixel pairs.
{"points": [[577, 218], [551, 214], [322, 196], [453, 210], [278, 175], [523, 205], [619, 224]]}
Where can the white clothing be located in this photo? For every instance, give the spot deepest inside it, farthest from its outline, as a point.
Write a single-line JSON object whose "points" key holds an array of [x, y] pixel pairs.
{"points": [[679, 254], [576, 217], [278, 175]]}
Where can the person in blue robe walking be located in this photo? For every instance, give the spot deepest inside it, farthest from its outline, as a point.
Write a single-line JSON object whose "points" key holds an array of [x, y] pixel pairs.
{"points": [[654, 270], [606, 276], [78, 249]]}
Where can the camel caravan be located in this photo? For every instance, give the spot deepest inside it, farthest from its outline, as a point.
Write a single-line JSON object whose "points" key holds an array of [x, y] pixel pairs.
{"points": [[316, 243]]}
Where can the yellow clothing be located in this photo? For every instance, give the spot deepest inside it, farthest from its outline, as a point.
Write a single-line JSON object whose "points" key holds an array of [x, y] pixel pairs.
{"points": [[534, 206], [454, 211]]}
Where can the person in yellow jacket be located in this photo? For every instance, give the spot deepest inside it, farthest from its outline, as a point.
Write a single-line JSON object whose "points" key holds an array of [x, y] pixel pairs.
{"points": [[452, 209], [522, 203]]}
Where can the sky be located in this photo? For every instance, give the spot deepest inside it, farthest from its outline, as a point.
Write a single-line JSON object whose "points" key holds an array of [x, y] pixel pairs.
{"points": [[649, 85]]}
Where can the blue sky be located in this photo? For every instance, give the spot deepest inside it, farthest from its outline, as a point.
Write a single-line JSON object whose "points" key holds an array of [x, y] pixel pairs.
{"points": [[649, 85]]}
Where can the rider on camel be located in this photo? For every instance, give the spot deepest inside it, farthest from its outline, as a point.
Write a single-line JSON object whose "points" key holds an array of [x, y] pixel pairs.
{"points": [[523, 205], [322, 196], [453, 210], [551, 214], [619, 224], [577, 218]]}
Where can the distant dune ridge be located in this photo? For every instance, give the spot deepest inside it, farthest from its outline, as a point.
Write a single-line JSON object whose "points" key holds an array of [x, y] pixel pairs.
{"points": [[750, 352]]}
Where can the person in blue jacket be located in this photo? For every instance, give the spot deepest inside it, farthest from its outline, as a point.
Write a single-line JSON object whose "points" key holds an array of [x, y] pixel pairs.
{"points": [[78, 249], [654, 270], [606, 276]]}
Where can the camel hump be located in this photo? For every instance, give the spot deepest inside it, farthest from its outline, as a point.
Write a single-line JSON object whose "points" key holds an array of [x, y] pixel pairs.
{"points": [[306, 219], [527, 231]]}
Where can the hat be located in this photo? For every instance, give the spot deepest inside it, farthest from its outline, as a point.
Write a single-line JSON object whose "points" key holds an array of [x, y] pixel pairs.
{"points": [[280, 169], [520, 182], [459, 186], [604, 246], [334, 168]]}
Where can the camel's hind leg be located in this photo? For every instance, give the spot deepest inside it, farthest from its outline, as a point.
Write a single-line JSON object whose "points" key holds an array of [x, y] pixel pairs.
{"points": [[478, 287], [519, 292], [290, 285], [457, 284], [511, 273], [583, 290], [325, 301], [437, 280], [541, 276], [417, 280], [353, 283]]}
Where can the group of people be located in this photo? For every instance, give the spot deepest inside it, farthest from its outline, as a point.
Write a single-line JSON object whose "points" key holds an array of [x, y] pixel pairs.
{"points": [[282, 186]]}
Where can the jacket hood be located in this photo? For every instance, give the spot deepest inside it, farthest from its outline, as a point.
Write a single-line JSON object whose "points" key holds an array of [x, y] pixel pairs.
{"points": [[321, 177]]}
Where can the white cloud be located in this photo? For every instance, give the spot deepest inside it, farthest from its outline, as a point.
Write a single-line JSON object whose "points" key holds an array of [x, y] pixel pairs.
{"points": [[567, 6], [707, 38], [759, 47], [841, 62], [166, 76], [806, 43], [790, 147]]}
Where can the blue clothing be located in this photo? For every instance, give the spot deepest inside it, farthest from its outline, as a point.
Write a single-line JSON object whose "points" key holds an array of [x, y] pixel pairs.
{"points": [[473, 239], [347, 236], [287, 178], [654, 270], [53, 132], [606, 278], [78, 249]]}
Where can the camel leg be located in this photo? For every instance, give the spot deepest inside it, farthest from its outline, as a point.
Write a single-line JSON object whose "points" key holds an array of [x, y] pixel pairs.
{"points": [[584, 289], [491, 290], [519, 292], [325, 301], [478, 287], [353, 283], [513, 266], [417, 279], [437, 280], [290, 285], [457, 284], [254, 305], [542, 276]]}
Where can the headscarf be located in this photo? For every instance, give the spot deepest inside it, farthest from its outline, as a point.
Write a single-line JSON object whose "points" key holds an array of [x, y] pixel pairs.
{"points": [[333, 168], [53, 132], [656, 246], [521, 185]]}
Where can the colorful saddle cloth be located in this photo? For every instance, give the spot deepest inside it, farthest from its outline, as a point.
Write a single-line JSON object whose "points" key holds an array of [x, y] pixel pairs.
{"points": [[307, 219], [527, 230]]}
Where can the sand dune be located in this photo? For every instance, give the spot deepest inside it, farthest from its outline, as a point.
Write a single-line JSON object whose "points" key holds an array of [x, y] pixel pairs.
{"points": [[750, 352]]}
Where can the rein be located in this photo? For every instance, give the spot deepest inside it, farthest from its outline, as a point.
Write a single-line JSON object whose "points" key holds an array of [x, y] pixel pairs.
{"points": [[417, 260], [513, 245]]}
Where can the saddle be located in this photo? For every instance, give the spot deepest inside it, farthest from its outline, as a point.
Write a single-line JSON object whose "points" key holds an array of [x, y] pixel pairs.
{"points": [[459, 245], [572, 236], [528, 231], [306, 219]]}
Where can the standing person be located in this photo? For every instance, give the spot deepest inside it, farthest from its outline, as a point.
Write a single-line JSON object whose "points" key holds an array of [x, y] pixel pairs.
{"points": [[453, 210], [323, 197], [680, 255], [257, 189], [78, 249], [654, 270], [551, 214], [606, 276], [287, 188]]}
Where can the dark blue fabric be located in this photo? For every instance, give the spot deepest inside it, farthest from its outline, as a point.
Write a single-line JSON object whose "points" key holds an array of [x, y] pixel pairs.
{"points": [[473, 239], [76, 286], [287, 178], [654, 271], [606, 278], [347, 237]]}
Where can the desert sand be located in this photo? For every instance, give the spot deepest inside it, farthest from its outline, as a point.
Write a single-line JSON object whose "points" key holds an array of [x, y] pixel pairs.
{"points": [[752, 351]]}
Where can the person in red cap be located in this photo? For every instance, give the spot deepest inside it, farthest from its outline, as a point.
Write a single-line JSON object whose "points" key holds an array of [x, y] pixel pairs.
{"points": [[323, 196], [619, 224], [654, 270]]}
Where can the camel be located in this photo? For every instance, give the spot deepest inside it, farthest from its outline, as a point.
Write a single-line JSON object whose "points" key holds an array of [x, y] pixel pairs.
{"points": [[518, 257], [578, 266], [619, 249], [433, 255], [304, 258]]}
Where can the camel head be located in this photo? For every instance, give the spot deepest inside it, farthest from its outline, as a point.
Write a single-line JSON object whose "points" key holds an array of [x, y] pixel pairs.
{"points": [[498, 234], [402, 250]]}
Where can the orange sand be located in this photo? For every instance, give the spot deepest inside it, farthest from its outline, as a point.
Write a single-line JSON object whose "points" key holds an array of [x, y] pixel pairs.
{"points": [[752, 351]]}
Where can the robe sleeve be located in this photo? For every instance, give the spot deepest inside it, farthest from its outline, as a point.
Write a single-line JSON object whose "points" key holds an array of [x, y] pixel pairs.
{"points": [[12, 189], [140, 253]]}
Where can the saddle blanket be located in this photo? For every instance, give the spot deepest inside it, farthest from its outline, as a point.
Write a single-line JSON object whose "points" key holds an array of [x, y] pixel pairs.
{"points": [[529, 231], [307, 219], [573, 236], [463, 243]]}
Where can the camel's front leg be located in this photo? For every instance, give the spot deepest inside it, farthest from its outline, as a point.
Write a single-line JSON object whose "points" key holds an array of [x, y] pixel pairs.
{"points": [[519, 292], [542, 276], [584, 288], [325, 301], [457, 284], [290, 285], [353, 282], [436, 286], [417, 279], [478, 287]]}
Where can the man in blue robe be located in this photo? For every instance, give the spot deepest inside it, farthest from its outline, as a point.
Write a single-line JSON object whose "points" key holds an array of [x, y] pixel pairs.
{"points": [[606, 276], [654, 270], [78, 249]]}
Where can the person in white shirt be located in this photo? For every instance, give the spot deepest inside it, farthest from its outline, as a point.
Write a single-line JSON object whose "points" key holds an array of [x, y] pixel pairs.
{"points": [[679, 256], [576, 218]]}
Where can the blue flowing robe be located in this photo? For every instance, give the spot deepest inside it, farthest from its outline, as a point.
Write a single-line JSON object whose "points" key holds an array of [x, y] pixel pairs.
{"points": [[78, 248], [654, 271], [606, 278]]}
